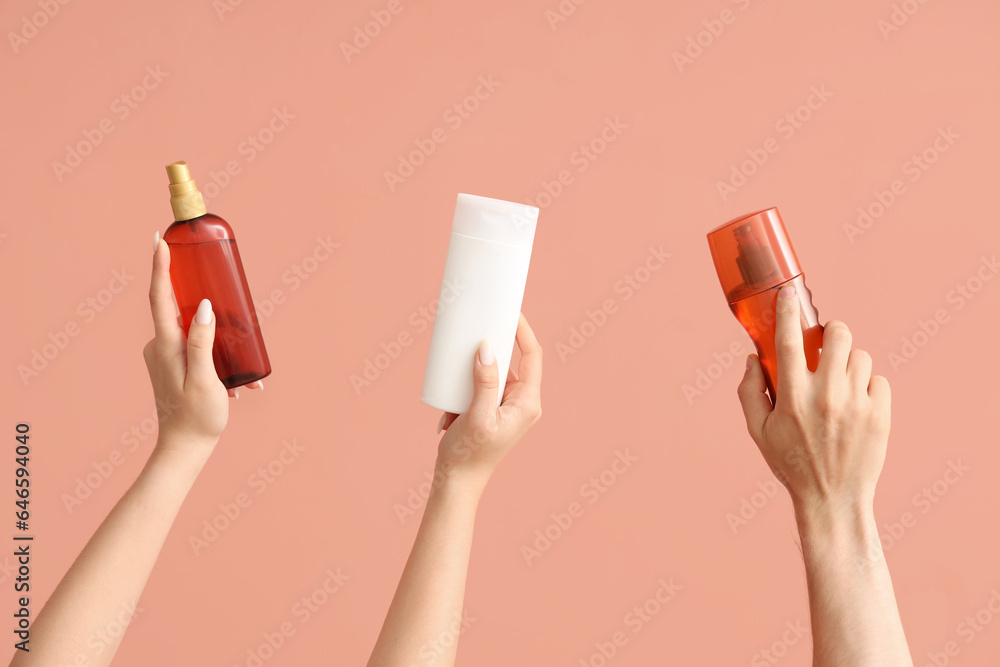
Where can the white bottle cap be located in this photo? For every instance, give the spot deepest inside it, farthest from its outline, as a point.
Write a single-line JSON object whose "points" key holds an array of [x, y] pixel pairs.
{"points": [[495, 220]]}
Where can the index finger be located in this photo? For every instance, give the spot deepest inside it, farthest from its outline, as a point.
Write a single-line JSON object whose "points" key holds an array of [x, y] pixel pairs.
{"points": [[788, 346], [529, 369], [161, 301]]}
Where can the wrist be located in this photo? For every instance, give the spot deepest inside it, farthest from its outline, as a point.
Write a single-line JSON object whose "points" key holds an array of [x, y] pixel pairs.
{"points": [[838, 528], [460, 479], [182, 454]]}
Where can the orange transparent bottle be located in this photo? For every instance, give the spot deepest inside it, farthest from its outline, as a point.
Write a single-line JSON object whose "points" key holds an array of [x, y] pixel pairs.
{"points": [[754, 258], [205, 264]]}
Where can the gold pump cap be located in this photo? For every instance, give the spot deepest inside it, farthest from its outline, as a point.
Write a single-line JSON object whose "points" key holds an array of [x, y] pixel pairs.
{"points": [[185, 198]]}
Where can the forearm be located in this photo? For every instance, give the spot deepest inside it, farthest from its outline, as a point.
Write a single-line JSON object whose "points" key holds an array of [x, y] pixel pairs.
{"points": [[106, 580], [427, 607], [855, 621]]}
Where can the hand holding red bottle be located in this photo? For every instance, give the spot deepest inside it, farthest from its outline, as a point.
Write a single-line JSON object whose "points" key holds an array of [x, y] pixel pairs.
{"points": [[826, 438], [192, 403]]}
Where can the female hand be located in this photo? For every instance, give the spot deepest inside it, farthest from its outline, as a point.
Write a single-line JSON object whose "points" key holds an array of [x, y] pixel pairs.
{"points": [[477, 441], [827, 436], [191, 401]]}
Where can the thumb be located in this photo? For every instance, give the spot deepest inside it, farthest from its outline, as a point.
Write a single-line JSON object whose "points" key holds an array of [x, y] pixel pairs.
{"points": [[753, 398], [201, 336], [486, 383]]}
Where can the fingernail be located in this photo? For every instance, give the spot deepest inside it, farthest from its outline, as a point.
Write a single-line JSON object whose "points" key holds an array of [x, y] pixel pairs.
{"points": [[236, 394], [749, 362], [260, 385], [156, 241], [204, 314], [441, 422], [486, 353], [787, 291]]}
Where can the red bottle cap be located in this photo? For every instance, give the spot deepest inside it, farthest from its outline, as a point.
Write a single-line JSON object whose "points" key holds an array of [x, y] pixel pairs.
{"points": [[753, 253]]}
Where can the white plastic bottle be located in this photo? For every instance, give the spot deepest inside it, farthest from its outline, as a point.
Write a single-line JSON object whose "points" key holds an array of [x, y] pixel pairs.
{"points": [[484, 278]]}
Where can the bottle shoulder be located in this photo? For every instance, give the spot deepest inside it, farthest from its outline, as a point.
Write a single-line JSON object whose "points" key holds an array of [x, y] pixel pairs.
{"points": [[203, 229]]}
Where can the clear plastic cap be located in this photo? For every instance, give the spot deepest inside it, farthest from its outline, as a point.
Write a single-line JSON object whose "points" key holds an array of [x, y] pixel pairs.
{"points": [[753, 253], [495, 220]]}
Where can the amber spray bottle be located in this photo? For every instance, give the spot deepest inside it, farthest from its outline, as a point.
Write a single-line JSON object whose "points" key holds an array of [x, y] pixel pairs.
{"points": [[205, 264], [754, 259]]}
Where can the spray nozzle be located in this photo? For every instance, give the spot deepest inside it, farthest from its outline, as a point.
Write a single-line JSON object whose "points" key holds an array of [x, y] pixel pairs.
{"points": [[185, 199], [753, 253]]}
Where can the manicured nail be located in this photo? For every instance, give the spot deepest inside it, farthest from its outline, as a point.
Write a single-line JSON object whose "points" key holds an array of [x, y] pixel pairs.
{"points": [[156, 241], [486, 353], [441, 421], [204, 314], [749, 362], [236, 394], [787, 291], [260, 385]]}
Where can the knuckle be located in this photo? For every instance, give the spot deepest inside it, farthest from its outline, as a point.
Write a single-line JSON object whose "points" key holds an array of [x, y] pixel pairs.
{"points": [[828, 406], [787, 305], [879, 383], [744, 389], [838, 332], [792, 409], [787, 346], [741, 389]]}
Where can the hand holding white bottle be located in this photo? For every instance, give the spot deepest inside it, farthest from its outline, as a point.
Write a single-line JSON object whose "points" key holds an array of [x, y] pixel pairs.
{"points": [[481, 294]]}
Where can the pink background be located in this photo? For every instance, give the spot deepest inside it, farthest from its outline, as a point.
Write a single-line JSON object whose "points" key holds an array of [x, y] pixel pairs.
{"points": [[323, 176]]}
